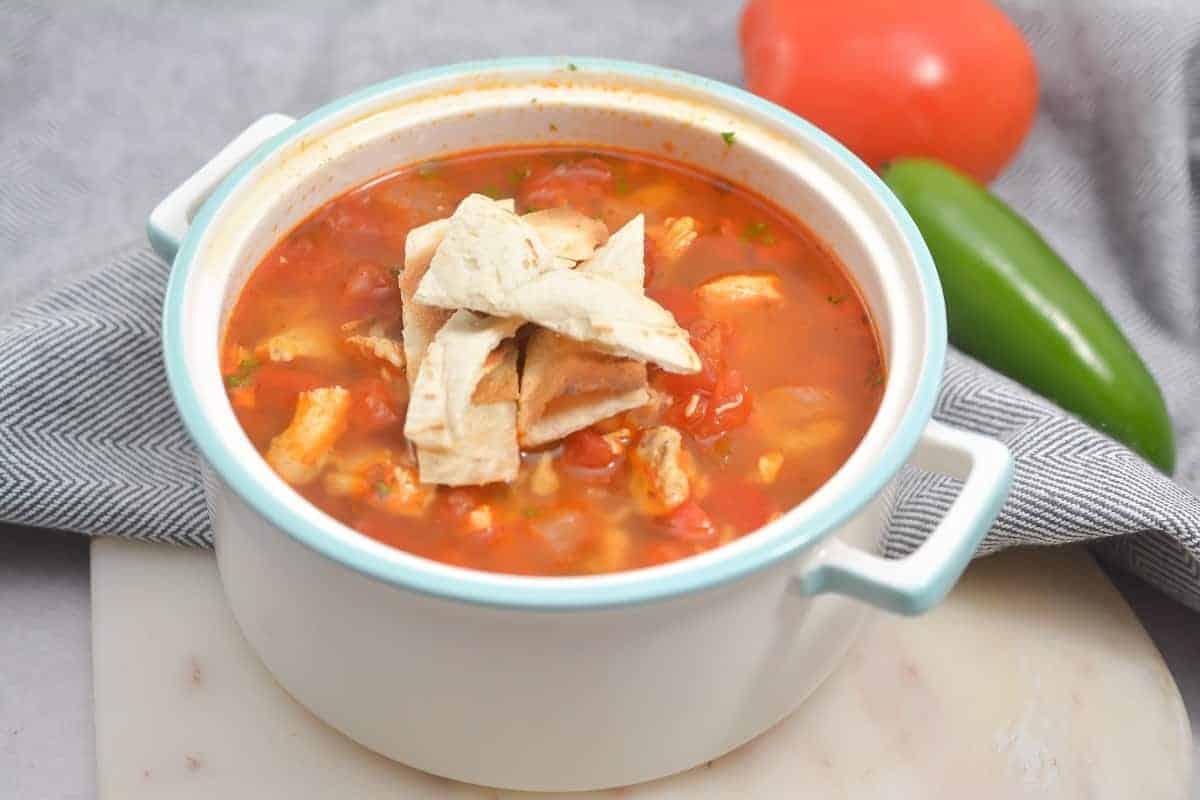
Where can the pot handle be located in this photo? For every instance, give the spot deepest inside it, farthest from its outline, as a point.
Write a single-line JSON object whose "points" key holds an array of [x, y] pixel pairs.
{"points": [[919, 581], [169, 221]]}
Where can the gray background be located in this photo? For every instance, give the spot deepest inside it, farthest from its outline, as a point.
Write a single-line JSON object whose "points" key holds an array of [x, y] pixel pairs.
{"points": [[119, 102]]}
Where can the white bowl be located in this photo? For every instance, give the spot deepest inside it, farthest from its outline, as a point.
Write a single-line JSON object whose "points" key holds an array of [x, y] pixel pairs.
{"points": [[580, 682]]}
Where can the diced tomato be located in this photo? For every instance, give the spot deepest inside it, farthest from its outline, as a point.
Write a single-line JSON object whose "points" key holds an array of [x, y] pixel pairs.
{"points": [[576, 183], [727, 407], [711, 341], [373, 407], [277, 385], [741, 504], [689, 523], [372, 289], [587, 449]]}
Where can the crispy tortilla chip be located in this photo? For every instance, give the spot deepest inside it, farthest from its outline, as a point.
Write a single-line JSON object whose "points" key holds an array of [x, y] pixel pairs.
{"points": [[421, 322], [489, 454], [616, 319], [623, 257], [449, 373], [567, 386], [486, 252], [499, 379], [567, 233]]}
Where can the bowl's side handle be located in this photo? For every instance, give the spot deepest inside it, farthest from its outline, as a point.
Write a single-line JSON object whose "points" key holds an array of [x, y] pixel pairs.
{"points": [[919, 581], [169, 221]]}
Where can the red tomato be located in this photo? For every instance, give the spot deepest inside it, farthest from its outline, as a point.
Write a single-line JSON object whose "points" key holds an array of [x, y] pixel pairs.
{"points": [[587, 449], [949, 79], [689, 523], [728, 406], [373, 407], [371, 289], [742, 505], [575, 183], [711, 341]]}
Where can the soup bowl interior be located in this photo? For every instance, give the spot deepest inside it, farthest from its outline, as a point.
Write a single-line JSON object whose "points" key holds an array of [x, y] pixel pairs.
{"points": [[444, 112]]}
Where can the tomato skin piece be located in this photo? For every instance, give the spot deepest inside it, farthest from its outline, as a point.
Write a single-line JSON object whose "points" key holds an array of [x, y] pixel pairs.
{"points": [[587, 449], [371, 289], [372, 406], [689, 523], [948, 79], [728, 406], [574, 183]]}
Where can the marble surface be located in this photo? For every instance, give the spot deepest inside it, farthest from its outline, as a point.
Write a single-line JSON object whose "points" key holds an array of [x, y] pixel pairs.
{"points": [[1033, 680]]}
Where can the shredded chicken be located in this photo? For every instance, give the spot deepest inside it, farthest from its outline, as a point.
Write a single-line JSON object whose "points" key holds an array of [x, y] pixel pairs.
{"points": [[380, 348], [301, 341], [660, 483], [769, 465], [544, 480], [299, 453], [675, 237], [737, 292]]}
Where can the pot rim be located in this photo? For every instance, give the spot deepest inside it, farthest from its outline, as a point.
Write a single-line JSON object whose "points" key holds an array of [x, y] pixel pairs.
{"points": [[775, 542]]}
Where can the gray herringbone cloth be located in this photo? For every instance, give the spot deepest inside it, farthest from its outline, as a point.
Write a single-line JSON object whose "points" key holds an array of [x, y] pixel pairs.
{"points": [[105, 106]]}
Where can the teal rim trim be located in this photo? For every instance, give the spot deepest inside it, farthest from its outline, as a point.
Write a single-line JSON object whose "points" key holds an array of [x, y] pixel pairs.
{"points": [[550, 594]]}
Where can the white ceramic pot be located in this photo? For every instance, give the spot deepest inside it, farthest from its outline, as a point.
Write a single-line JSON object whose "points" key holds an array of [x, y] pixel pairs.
{"points": [[582, 682]]}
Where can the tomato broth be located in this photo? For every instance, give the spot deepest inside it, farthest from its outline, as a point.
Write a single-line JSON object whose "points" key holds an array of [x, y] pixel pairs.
{"points": [[786, 390]]}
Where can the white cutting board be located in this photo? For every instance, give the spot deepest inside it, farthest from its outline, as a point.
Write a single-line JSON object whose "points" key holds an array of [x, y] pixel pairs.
{"points": [[1033, 679]]}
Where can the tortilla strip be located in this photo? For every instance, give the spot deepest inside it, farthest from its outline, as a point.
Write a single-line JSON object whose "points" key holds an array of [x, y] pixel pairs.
{"points": [[614, 314], [623, 257], [567, 233], [420, 321], [487, 450], [567, 386], [486, 252], [499, 380], [615, 319], [449, 373]]}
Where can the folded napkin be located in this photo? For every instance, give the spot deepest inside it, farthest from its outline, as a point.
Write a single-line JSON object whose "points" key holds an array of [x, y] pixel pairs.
{"points": [[90, 442]]}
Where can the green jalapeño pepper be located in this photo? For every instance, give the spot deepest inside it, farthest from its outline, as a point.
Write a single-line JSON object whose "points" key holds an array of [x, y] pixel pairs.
{"points": [[1015, 305]]}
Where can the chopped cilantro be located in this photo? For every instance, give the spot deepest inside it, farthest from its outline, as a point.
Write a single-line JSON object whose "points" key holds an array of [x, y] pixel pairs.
{"points": [[429, 169], [728, 136], [242, 377], [622, 186], [521, 174], [530, 513], [572, 67], [492, 191], [836, 298], [758, 233], [382, 489]]}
